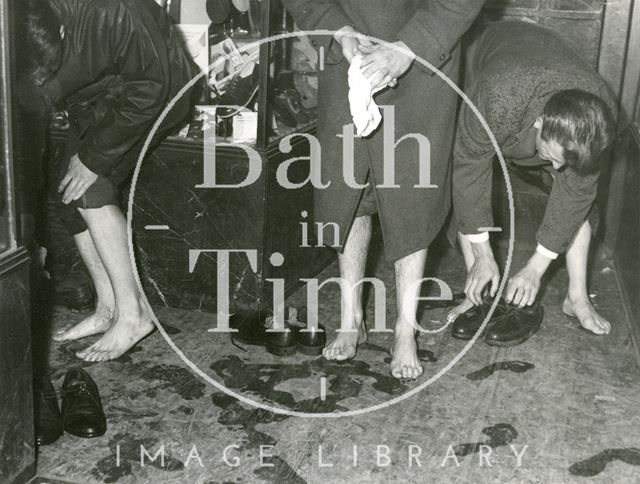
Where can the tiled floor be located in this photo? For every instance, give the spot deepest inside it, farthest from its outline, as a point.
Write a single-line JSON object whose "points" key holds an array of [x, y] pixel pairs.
{"points": [[565, 401]]}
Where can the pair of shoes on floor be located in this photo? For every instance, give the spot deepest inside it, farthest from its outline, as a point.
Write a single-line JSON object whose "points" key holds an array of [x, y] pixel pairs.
{"points": [[253, 329], [509, 325], [81, 413]]}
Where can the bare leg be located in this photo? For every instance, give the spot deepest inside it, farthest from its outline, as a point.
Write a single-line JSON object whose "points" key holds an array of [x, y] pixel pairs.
{"points": [[409, 272], [577, 303], [467, 253], [132, 322], [352, 265], [102, 317]]}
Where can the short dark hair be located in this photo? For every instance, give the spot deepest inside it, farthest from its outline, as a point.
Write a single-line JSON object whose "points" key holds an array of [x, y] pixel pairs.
{"points": [[582, 124], [39, 43]]}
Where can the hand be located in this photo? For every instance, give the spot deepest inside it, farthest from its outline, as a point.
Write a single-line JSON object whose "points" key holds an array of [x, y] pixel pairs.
{"points": [[351, 44], [484, 271], [383, 65], [77, 180], [523, 287]]}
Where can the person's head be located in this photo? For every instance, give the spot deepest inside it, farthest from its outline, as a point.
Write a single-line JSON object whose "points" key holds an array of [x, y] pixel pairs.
{"points": [[574, 129], [39, 40]]}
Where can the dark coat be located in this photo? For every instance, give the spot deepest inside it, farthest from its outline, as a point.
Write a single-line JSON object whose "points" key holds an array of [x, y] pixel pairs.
{"points": [[424, 104], [122, 62], [513, 70]]}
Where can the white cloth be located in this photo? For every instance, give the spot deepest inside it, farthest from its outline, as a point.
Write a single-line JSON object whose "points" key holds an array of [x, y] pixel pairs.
{"points": [[364, 110], [540, 249], [478, 238]]}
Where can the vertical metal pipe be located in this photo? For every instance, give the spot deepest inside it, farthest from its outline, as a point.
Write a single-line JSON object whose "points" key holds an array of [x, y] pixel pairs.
{"points": [[6, 138]]}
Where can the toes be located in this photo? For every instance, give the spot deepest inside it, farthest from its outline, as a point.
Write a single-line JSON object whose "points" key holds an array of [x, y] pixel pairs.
{"points": [[63, 334], [410, 371], [60, 337], [331, 353], [89, 354], [396, 372], [594, 326]]}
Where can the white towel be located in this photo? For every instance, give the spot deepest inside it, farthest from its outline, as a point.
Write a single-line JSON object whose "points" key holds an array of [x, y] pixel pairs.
{"points": [[364, 110]]}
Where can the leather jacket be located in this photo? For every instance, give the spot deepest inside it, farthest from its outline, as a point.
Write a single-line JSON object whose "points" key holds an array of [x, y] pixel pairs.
{"points": [[122, 62]]}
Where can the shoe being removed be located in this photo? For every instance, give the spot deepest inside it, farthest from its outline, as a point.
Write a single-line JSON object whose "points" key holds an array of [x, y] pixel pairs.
{"points": [[468, 323], [515, 326], [82, 413]]}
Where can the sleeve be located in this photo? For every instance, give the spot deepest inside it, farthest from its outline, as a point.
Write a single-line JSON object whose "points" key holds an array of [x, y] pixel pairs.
{"points": [[126, 45], [319, 15], [571, 199], [437, 27], [473, 166]]}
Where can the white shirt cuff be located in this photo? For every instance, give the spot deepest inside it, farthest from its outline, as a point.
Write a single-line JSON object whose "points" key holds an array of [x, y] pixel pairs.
{"points": [[546, 252], [478, 238]]}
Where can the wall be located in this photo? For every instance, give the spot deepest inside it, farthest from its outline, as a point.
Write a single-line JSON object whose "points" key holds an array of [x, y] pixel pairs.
{"points": [[627, 241], [579, 21]]}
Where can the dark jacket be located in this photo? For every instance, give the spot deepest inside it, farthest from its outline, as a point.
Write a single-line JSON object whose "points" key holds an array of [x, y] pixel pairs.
{"points": [[513, 70], [122, 62], [424, 104]]}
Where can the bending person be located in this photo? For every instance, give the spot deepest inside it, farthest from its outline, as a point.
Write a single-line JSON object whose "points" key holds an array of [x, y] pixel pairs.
{"points": [[553, 116], [113, 65]]}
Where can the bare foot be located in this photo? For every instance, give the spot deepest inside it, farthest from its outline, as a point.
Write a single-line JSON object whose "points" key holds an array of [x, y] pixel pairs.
{"points": [[345, 346], [405, 363], [125, 332], [98, 322], [587, 315], [461, 308]]}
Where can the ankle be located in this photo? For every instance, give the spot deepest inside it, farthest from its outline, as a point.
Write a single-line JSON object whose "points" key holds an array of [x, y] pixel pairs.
{"points": [[128, 312], [105, 309], [404, 326], [354, 321], [577, 296]]}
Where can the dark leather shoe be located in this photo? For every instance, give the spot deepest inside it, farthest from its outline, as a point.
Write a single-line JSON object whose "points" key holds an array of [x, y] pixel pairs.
{"points": [[310, 342], [282, 343], [48, 418], [468, 324], [515, 326], [82, 412], [251, 328]]}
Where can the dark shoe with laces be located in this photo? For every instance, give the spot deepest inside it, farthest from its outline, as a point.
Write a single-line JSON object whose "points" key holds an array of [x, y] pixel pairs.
{"points": [[515, 326], [467, 324], [48, 417], [82, 412]]}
